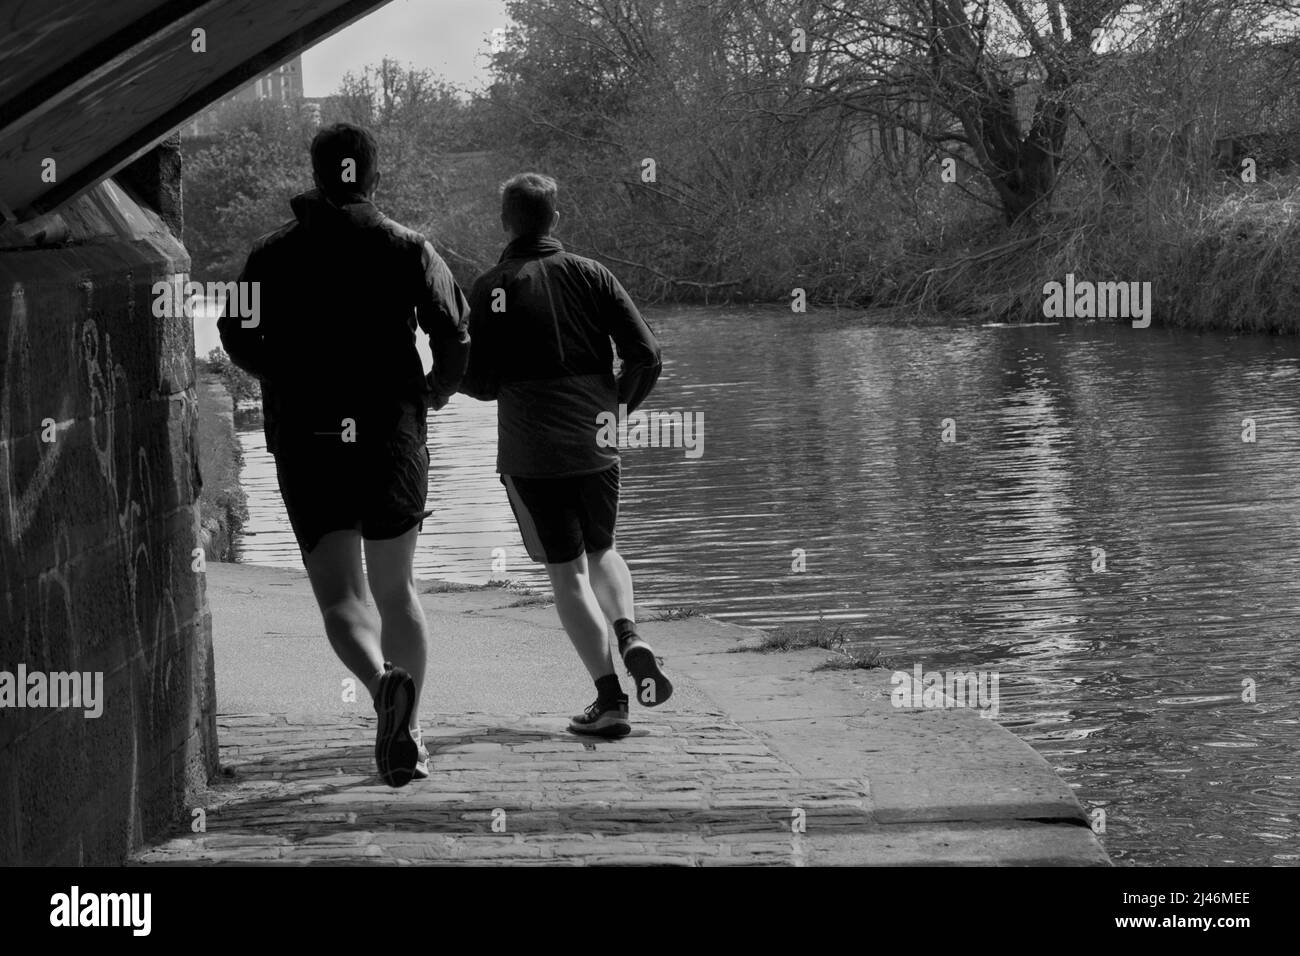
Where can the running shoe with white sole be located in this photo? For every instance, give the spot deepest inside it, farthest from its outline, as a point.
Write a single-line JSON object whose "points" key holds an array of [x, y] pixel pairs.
{"points": [[603, 719], [652, 688], [422, 759], [397, 753]]}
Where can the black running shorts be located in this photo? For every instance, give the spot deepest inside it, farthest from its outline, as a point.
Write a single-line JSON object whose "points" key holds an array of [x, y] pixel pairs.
{"points": [[561, 518], [376, 487]]}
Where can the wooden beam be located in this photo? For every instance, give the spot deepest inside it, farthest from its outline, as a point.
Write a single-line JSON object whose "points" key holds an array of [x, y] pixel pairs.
{"points": [[67, 81]]}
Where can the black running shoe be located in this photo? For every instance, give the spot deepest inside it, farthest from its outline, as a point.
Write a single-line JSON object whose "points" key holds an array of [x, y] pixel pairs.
{"points": [[603, 719], [652, 687], [396, 752]]}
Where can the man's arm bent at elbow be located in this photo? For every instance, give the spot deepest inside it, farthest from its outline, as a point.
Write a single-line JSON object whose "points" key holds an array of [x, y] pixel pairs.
{"points": [[243, 342], [481, 379], [443, 313], [636, 345]]}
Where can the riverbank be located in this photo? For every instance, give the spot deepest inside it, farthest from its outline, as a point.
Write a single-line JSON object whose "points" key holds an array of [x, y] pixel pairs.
{"points": [[1221, 258], [1218, 259], [757, 759], [1218, 255]]}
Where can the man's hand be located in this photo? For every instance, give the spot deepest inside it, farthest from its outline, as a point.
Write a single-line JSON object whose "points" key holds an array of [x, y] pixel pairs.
{"points": [[437, 399]]}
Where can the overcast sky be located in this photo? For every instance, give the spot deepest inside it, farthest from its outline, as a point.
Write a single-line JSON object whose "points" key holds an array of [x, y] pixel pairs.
{"points": [[446, 36]]}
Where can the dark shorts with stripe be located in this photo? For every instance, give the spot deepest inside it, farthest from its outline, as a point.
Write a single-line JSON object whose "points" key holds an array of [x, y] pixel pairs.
{"points": [[562, 518], [376, 488]]}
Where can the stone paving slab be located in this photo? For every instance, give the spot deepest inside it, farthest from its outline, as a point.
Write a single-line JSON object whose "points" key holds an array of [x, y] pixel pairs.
{"points": [[679, 792], [287, 799], [758, 760]]}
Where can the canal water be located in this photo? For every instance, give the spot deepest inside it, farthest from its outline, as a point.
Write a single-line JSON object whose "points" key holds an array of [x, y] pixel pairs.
{"points": [[1096, 529]]}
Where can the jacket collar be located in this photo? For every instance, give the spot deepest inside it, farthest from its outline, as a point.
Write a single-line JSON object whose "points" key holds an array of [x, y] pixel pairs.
{"points": [[531, 247], [314, 211]]}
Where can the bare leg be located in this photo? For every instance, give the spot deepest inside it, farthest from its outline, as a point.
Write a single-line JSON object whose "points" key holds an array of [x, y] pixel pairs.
{"points": [[334, 568], [612, 582], [404, 631], [580, 613]]}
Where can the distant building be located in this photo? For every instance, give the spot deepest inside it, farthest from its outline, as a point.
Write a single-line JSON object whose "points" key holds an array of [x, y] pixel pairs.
{"points": [[283, 84]]}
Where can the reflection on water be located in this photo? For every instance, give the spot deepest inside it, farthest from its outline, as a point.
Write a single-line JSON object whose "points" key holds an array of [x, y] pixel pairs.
{"points": [[1074, 445]]}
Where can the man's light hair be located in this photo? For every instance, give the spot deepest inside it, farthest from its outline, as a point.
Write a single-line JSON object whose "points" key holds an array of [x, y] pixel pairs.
{"points": [[528, 203]]}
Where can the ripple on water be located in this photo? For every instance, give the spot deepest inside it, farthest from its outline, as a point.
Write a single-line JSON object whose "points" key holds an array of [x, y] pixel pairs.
{"points": [[1098, 533]]}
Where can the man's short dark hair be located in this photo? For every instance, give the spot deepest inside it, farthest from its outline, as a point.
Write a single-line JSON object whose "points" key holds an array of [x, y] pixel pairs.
{"points": [[342, 141], [528, 203]]}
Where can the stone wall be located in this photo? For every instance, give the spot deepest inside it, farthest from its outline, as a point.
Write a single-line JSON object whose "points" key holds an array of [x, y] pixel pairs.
{"points": [[99, 528]]}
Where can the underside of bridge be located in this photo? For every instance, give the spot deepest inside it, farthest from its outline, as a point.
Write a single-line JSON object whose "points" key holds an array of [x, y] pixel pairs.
{"points": [[101, 571]]}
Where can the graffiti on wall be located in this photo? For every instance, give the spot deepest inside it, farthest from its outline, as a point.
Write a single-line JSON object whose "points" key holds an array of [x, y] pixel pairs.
{"points": [[97, 500]]}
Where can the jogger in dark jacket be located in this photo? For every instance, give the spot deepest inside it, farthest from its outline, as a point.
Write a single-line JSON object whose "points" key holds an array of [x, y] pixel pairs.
{"points": [[345, 400], [542, 321]]}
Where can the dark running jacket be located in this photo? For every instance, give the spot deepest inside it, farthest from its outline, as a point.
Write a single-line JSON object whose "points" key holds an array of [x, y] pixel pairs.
{"points": [[544, 354], [341, 289]]}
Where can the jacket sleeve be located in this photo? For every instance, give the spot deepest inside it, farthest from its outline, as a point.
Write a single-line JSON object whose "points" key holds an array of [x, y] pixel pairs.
{"points": [[243, 338], [635, 343], [443, 312], [482, 378]]}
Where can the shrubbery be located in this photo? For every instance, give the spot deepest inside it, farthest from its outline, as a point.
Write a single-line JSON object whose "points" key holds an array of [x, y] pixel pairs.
{"points": [[241, 386], [774, 172]]}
